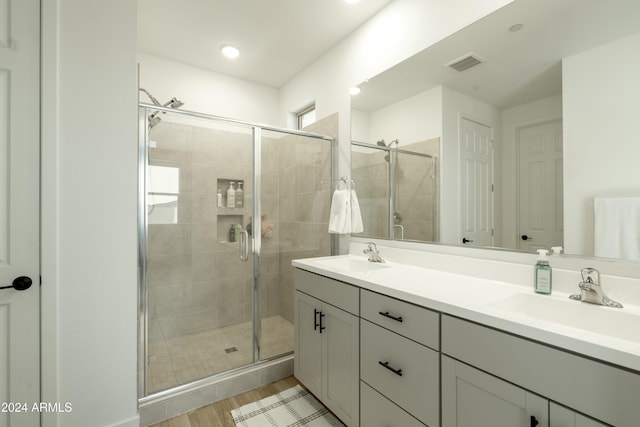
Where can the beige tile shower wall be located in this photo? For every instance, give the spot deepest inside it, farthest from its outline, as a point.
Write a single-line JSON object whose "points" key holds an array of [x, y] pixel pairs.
{"points": [[417, 189], [417, 186], [305, 190], [195, 279]]}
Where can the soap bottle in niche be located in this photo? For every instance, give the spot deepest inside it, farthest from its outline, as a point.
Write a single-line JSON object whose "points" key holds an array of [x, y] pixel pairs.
{"points": [[219, 197], [542, 273], [239, 196], [231, 196], [237, 231], [232, 233]]}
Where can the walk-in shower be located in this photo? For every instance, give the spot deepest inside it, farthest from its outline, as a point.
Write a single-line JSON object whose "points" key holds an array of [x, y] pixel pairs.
{"points": [[216, 282]]}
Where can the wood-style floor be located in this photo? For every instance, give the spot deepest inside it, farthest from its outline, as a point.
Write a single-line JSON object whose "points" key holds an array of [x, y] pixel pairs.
{"points": [[218, 414]]}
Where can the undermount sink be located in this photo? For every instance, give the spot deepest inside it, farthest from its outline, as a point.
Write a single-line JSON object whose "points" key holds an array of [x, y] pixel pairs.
{"points": [[613, 322], [352, 265]]}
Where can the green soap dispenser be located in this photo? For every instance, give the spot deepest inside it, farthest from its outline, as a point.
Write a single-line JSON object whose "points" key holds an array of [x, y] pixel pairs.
{"points": [[543, 273]]}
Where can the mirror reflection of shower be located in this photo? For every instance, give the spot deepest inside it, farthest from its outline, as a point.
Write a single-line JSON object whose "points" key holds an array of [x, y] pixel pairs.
{"points": [[172, 103], [399, 195]]}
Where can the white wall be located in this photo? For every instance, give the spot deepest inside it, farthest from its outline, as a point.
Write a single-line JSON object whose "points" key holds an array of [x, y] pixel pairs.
{"points": [[601, 110], [207, 92], [539, 111], [89, 199], [413, 119], [454, 107]]}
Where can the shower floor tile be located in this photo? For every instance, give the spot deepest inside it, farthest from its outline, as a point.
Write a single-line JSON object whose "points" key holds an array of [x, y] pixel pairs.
{"points": [[190, 357]]}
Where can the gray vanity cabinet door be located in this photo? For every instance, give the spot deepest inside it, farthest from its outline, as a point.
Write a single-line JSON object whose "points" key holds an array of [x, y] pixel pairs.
{"points": [[308, 343], [340, 363], [559, 416], [472, 398]]}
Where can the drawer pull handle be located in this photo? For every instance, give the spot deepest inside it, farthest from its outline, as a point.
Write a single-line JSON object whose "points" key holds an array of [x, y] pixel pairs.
{"points": [[398, 372], [315, 319], [386, 314], [534, 422]]}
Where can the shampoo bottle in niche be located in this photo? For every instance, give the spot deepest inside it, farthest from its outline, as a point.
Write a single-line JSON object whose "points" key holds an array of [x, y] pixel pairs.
{"points": [[239, 196], [219, 198], [542, 273], [232, 233], [231, 196]]}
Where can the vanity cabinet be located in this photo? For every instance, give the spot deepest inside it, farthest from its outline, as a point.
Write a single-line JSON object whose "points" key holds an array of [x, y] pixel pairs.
{"points": [[399, 359], [598, 391], [327, 336]]}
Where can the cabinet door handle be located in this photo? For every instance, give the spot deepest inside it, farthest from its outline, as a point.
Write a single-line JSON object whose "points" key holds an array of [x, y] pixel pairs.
{"points": [[534, 422], [389, 316], [315, 319], [322, 328], [398, 372]]}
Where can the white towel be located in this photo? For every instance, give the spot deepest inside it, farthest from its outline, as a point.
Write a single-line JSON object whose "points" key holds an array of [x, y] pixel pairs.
{"points": [[356, 216], [340, 216], [617, 227]]}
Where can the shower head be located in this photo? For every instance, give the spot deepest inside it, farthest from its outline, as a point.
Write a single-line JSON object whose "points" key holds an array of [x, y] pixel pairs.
{"points": [[381, 143], [173, 103]]}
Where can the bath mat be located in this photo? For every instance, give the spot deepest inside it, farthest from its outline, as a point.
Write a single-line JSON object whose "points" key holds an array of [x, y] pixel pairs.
{"points": [[289, 408]]}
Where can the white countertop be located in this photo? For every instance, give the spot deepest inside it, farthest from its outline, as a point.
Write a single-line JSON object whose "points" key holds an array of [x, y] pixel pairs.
{"points": [[604, 333]]}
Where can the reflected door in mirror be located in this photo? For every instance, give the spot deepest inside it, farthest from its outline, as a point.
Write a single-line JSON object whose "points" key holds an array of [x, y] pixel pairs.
{"points": [[540, 186], [476, 182]]}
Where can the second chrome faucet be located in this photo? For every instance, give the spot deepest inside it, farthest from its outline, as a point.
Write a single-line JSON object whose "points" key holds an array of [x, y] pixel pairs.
{"points": [[591, 290], [372, 252]]}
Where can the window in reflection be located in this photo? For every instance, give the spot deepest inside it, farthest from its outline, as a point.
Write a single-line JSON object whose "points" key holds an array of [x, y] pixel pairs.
{"points": [[163, 186]]}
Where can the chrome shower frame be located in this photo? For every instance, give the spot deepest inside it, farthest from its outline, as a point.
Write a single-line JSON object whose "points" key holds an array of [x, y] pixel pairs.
{"points": [[144, 111]]}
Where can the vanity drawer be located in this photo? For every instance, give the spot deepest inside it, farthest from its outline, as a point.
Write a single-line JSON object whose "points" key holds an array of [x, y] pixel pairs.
{"points": [[415, 384], [378, 411], [411, 321], [334, 292]]}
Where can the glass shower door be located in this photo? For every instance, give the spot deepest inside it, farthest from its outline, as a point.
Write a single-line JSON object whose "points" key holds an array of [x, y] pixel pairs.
{"points": [[199, 292], [295, 177]]}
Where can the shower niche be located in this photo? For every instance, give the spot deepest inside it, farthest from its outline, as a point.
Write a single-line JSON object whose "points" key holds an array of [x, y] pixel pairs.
{"points": [[229, 216]]}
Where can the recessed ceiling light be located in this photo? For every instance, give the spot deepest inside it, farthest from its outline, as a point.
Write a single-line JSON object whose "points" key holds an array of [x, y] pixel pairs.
{"points": [[355, 90], [230, 51]]}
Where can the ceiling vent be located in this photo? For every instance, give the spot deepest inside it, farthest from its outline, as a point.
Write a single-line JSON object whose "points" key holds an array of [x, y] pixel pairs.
{"points": [[465, 62]]}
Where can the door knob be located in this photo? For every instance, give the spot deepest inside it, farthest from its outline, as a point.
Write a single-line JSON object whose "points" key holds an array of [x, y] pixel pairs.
{"points": [[465, 240], [19, 283], [525, 237]]}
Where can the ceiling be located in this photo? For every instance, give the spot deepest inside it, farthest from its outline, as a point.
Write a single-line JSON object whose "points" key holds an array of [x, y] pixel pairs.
{"points": [[520, 66], [277, 38]]}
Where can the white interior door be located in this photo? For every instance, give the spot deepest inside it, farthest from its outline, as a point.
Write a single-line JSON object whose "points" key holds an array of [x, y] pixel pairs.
{"points": [[476, 184], [540, 223], [19, 212]]}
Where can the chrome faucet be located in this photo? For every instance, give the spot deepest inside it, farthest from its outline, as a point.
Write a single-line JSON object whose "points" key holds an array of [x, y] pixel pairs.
{"points": [[591, 290], [372, 252]]}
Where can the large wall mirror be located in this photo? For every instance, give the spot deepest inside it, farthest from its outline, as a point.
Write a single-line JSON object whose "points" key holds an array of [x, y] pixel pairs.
{"points": [[519, 132]]}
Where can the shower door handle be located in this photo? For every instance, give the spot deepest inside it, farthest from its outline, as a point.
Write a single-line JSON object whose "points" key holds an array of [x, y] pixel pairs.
{"points": [[244, 246]]}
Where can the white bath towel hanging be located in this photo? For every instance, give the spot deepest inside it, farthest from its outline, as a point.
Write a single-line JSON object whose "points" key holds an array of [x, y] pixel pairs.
{"points": [[617, 227], [340, 216], [356, 216], [345, 216]]}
